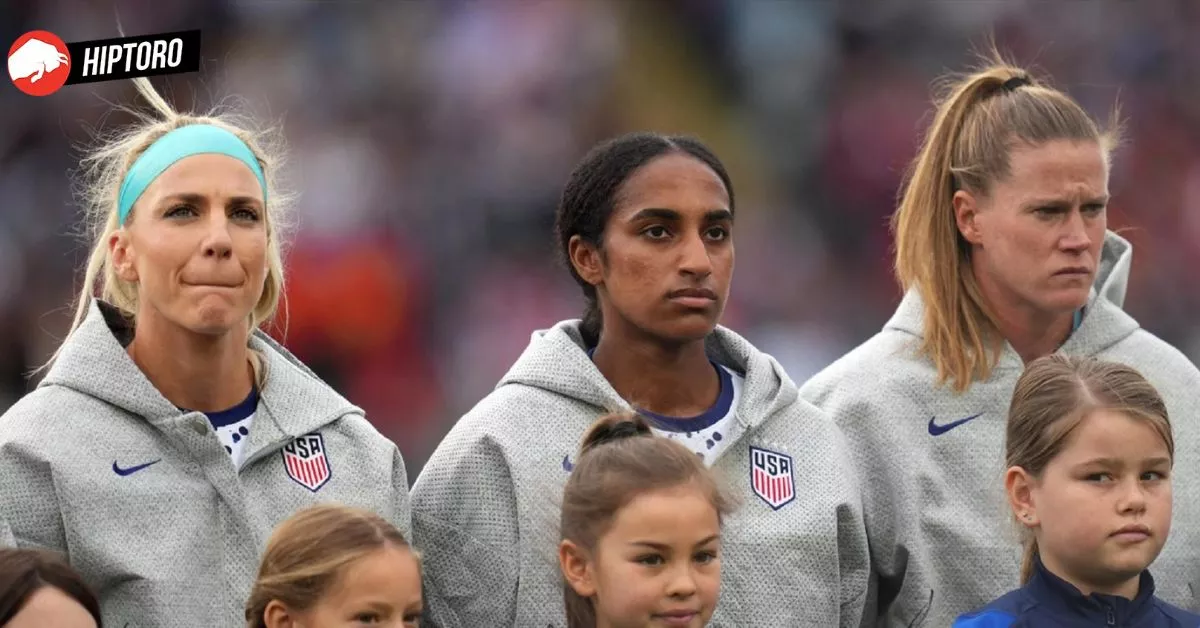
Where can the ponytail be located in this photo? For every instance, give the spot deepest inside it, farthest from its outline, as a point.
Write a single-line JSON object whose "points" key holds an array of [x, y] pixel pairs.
{"points": [[592, 322], [1029, 558], [967, 148], [580, 612], [931, 255], [613, 428]]}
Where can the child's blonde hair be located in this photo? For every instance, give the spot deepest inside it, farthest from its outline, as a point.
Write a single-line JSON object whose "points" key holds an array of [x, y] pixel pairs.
{"points": [[1054, 395], [103, 170], [620, 459], [307, 552]]}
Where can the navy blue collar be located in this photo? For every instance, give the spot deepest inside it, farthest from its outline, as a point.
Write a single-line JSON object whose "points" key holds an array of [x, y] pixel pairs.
{"points": [[229, 416], [1063, 599], [701, 421]]}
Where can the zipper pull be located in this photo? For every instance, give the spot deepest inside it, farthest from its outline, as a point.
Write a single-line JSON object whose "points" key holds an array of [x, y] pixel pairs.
{"points": [[1112, 619]]}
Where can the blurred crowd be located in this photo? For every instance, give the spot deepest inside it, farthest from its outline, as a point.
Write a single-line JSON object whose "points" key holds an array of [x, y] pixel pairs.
{"points": [[428, 142]]}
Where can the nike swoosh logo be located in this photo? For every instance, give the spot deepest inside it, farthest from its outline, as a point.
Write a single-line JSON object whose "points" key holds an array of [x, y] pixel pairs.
{"points": [[938, 430], [131, 470]]}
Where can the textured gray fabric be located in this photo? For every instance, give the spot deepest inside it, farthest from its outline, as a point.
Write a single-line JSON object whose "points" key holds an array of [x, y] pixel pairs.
{"points": [[486, 506], [942, 537], [7, 538], [177, 543]]}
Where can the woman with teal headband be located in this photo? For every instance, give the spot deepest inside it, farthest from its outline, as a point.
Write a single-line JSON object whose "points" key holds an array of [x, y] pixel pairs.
{"points": [[170, 434]]}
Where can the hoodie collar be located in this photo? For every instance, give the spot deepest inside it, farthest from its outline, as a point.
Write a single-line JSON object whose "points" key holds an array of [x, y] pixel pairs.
{"points": [[295, 399], [1102, 324], [556, 360], [93, 361], [1063, 599]]}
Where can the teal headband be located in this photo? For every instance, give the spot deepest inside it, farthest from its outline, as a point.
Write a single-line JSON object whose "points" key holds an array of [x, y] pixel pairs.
{"points": [[193, 139]]}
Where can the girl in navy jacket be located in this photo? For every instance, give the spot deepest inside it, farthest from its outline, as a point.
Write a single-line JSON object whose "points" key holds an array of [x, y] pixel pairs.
{"points": [[1089, 453]]}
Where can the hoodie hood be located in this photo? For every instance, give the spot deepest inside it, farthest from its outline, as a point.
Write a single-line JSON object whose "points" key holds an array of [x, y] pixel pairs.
{"points": [[1112, 274], [94, 362], [556, 361], [1104, 322]]}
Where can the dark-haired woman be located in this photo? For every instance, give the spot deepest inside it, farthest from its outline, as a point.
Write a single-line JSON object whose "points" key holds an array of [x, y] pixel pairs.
{"points": [[646, 225]]}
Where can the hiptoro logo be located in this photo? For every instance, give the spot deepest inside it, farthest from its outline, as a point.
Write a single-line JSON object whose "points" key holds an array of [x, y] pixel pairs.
{"points": [[39, 63]]}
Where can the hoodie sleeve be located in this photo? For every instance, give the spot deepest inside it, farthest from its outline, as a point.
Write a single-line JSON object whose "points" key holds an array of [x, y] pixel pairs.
{"points": [[29, 506], [883, 499], [465, 526], [854, 559]]}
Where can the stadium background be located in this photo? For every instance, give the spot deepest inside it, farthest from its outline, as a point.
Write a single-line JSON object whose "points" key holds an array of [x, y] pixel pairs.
{"points": [[429, 141]]}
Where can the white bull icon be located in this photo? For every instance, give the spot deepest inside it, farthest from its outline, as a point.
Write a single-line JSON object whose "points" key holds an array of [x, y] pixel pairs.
{"points": [[34, 58]]}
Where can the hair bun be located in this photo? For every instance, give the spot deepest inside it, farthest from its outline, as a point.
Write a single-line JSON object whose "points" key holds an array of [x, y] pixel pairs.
{"points": [[615, 427], [1017, 81]]}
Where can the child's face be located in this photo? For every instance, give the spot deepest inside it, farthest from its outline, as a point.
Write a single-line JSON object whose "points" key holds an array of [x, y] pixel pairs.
{"points": [[1103, 504], [382, 588], [659, 563]]}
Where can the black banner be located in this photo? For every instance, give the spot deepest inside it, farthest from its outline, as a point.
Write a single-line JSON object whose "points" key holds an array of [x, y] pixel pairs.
{"points": [[131, 57]]}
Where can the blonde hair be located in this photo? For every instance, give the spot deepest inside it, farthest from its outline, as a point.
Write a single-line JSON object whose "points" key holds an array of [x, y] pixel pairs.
{"points": [[308, 551], [979, 120], [1053, 396], [104, 167], [620, 459]]}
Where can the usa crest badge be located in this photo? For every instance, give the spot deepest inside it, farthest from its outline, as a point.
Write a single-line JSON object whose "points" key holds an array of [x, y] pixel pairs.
{"points": [[771, 477], [307, 462]]}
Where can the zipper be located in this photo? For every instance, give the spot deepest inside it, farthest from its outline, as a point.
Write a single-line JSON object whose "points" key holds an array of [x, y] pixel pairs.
{"points": [[1112, 620]]}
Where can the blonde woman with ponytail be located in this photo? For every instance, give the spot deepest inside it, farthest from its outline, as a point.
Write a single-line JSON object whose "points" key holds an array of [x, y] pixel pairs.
{"points": [[170, 434], [1004, 255]]}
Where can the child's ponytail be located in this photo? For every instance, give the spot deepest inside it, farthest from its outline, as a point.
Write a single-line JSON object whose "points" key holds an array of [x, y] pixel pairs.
{"points": [[1028, 559], [580, 612]]}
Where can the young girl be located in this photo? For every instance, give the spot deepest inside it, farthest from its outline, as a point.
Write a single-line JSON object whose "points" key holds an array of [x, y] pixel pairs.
{"points": [[1089, 456], [331, 566], [641, 531], [38, 588]]}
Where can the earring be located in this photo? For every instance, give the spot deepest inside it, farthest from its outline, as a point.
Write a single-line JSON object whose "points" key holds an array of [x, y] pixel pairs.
{"points": [[1028, 517]]}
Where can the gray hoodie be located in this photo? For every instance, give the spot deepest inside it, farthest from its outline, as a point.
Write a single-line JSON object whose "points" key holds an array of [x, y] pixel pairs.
{"points": [[486, 506], [143, 498], [942, 538]]}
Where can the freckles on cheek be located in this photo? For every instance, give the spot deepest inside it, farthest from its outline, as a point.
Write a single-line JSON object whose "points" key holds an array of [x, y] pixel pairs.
{"points": [[631, 269], [637, 269]]}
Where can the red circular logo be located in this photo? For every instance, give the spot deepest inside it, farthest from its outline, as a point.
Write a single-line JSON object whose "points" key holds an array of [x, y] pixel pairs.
{"points": [[38, 63]]}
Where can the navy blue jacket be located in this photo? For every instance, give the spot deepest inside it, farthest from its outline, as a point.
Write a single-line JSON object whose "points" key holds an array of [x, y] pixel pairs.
{"points": [[1047, 600]]}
